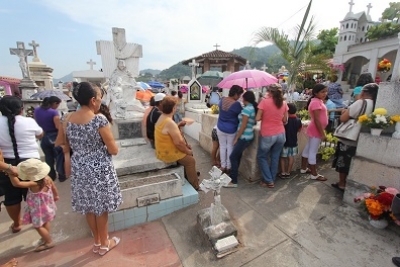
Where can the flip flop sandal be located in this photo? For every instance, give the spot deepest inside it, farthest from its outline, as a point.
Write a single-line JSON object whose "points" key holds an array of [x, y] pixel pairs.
{"points": [[44, 247], [336, 185], [271, 185], [96, 248], [15, 230], [318, 177], [305, 171], [108, 248]]}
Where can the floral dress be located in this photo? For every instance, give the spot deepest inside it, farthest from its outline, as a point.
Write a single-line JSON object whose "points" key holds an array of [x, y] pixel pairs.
{"points": [[40, 207], [94, 183]]}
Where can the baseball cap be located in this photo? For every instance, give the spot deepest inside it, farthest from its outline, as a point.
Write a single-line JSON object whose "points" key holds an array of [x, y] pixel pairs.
{"points": [[158, 97]]}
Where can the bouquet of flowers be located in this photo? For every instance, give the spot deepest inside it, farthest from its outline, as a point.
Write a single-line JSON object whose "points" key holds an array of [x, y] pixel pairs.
{"points": [[384, 65], [377, 202], [377, 119], [395, 118], [214, 109]]}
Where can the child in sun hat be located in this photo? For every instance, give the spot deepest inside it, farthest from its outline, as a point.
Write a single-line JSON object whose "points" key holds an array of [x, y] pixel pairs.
{"points": [[42, 194]]}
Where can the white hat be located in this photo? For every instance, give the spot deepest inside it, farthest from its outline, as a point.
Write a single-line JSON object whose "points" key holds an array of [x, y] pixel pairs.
{"points": [[32, 170], [158, 97]]}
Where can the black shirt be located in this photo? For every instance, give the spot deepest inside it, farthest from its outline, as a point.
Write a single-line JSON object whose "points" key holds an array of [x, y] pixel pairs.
{"points": [[291, 129], [151, 121]]}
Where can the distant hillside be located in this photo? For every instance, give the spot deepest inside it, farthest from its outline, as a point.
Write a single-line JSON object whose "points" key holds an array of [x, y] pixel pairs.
{"points": [[153, 72], [268, 55]]}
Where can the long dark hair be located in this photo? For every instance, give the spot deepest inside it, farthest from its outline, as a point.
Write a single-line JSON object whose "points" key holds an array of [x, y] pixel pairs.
{"points": [[372, 90], [364, 79], [106, 112], [47, 102], [275, 91], [83, 92], [11, 106], [316, 89], [251, 98]]}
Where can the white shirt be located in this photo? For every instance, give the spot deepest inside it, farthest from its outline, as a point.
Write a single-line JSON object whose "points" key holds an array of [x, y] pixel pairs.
{"points": [[25, 131]]}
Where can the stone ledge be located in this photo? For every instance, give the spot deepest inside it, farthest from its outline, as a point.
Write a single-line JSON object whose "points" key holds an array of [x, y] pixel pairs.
{"points": [[382, 149]]}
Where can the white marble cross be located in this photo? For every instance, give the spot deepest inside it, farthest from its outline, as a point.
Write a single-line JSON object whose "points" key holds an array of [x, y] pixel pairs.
{"points": [[91, 63], [23, 54], [369, 8], [194, 65], [35, 54], [351, 3], [264, 67]]}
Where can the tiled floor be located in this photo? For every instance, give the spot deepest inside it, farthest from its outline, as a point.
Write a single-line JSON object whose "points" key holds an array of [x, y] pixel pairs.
{"points": [[142, 245]]}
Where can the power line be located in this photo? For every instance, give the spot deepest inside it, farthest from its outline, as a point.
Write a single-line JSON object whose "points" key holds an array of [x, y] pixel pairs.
{"points": [[291, 16]]}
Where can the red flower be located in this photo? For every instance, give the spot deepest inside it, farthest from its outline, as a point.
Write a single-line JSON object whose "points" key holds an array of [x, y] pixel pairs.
{"points": [[385, 199]]}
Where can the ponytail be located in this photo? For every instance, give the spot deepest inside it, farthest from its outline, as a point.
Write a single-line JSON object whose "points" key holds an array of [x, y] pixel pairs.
{"points": [[11, 106]]}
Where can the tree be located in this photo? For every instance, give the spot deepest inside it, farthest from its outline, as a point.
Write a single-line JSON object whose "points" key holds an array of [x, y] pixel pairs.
{"points": [[328, 41], [392, 12], [297, 53]]}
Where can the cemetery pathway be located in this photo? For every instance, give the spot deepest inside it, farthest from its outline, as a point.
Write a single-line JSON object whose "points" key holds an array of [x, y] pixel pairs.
{"points": [[298, 223]]}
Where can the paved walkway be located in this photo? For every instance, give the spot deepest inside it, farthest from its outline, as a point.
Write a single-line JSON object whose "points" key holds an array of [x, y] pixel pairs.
{"points": [[298, 223]]}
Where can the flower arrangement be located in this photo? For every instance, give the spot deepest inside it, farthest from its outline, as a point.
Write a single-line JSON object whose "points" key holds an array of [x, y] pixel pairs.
{"points": [[327, 148], [29, 112], [377, 119], [395, 118], [384, 65], [214, 109], [303, 114], [377, 202]]}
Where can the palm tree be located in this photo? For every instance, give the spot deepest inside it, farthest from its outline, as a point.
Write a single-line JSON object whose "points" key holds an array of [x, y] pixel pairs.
{"points": [[297, 53]]}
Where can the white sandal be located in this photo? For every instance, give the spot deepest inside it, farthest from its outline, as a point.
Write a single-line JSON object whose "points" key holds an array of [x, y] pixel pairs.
{"points": [[307, 170], [108, 248], [96, 248]]}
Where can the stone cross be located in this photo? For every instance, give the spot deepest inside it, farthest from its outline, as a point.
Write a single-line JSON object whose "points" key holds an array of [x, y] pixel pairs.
{"points": [[35, 54], [369, 7], [193, 64], [119, 49], [264, 67], [91, 63], [351, 3], [23, 54], [216, 46]]}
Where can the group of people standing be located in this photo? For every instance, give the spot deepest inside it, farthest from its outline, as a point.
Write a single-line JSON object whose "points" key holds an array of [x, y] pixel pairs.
{"points": [[85, 136]]}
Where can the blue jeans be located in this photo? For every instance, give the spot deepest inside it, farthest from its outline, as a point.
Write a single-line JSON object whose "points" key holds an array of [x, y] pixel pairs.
{"points": [[235, 157], [54, 156], [269, 146]]}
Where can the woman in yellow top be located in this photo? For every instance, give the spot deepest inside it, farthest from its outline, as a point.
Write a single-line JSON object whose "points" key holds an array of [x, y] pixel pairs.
{"points": [[169, 143]]}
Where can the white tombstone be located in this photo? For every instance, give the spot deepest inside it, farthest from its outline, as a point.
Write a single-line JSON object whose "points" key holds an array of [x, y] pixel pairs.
{"points": [[119, 49]]}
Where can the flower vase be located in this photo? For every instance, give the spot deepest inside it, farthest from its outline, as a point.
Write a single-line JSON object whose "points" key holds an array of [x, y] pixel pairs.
{"points": [[396, 134], [376, 131], [379, 224]]}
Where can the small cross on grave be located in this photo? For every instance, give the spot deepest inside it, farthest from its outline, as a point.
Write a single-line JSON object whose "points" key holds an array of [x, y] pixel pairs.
{"points": [[35, 54], [216, 46], [23, 54], [91, 63], [369, 8], [351, 3], [194, 65], [264, 67]]}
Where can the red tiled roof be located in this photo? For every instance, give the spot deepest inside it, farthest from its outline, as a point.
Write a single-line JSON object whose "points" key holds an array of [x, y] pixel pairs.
{"points": [[216, 54]]}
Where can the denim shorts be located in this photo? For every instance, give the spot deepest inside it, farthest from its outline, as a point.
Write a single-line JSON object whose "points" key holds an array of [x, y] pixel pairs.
{"points": [[289, 151]]}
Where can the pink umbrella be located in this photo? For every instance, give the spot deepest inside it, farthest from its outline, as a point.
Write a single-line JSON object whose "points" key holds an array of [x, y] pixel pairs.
{"points": [[248, 79]]}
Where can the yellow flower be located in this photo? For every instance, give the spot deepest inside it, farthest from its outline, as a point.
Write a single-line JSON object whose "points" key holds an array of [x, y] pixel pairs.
{"points": [[395, 118], [380, 111], [362, 118]]}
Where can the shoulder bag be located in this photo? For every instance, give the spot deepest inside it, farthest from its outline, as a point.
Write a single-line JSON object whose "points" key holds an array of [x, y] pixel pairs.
{"points": [[62, 141], [350, 130]]}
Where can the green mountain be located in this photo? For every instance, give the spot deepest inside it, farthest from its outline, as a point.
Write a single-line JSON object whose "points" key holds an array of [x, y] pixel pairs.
{"points": [[268, 55]]}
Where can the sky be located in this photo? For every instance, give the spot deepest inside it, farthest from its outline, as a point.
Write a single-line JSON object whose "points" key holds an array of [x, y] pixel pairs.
{"points": [[169, 31]]}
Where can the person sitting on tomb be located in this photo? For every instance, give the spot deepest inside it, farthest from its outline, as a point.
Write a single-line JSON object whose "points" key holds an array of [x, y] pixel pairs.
{"points": [[152, 118], [171, 145], [335, 91]]}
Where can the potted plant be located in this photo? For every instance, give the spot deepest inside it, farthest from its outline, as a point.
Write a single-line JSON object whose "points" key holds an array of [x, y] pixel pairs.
{"points": [[376, 121], [377, 203]]}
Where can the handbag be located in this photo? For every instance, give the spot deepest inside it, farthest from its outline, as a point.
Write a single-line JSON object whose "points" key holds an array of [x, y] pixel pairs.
{"points": [[63, 142], [350, 130]]}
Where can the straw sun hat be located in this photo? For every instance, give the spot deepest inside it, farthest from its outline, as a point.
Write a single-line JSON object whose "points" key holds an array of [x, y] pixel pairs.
{"points": [[32, 170]]}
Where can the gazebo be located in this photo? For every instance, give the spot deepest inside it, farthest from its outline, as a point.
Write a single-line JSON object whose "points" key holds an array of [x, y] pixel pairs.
{"points": [[219, 59]]}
